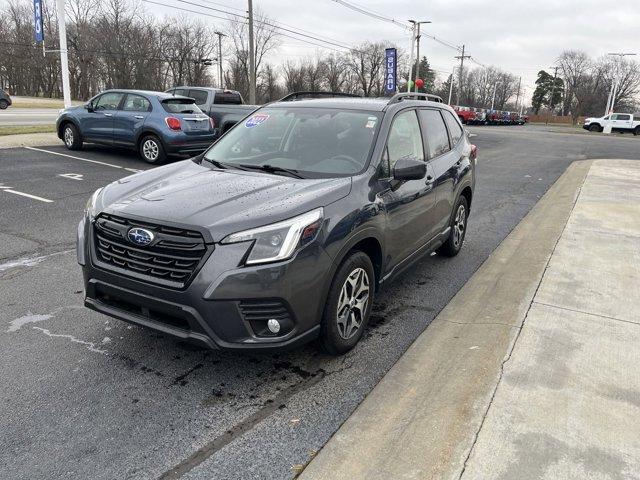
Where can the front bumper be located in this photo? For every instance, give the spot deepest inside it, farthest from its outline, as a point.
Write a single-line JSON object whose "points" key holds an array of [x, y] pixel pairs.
{"points": [[212, 309]]}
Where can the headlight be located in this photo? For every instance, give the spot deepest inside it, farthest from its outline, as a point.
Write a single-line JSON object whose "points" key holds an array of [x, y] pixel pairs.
{"points": [[279, 241], [91, 204]]}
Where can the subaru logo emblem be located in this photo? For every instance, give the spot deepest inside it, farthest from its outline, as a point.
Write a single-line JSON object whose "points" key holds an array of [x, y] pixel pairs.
{"points": [[140, 236]]}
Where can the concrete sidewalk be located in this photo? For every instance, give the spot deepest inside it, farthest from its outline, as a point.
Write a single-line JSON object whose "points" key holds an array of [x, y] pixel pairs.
{"points": [[532, 370]]}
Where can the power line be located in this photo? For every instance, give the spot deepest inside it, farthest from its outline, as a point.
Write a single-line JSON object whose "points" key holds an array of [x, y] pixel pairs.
{"points": [[371, 13]]}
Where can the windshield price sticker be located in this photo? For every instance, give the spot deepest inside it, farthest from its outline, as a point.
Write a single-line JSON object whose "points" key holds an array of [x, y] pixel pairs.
{"points": [[256, 120]]}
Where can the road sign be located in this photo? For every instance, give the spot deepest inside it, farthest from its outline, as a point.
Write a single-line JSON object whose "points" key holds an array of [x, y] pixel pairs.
{"points": [[37, 9], [390, 70]]}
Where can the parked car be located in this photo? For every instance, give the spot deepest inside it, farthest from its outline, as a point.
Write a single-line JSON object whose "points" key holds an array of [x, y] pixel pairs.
{"points": [[481, 116], [465, 114], [619, 122], [284, 229], [5, 100], [225, 107], [155, 124]]}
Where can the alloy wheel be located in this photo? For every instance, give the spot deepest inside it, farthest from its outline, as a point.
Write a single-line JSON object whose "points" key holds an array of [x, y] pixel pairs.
{"points": [[68, 137], [459, 226], [353, 303], [150, 150]]}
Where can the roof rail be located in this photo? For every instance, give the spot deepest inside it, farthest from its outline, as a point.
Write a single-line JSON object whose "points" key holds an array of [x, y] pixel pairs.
{"points": [[292, 97], [398, 97]]}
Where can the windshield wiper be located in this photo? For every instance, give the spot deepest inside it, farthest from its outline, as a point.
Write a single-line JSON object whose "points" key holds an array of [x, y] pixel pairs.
{"points": [[273, 169], [216, 163]]}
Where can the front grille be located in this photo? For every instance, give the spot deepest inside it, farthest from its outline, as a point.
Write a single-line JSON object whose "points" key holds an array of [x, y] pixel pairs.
{"points": [[172, 259]]}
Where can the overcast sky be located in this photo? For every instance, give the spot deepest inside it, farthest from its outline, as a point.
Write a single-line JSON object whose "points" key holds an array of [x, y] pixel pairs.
{"points": [[520, 36]]}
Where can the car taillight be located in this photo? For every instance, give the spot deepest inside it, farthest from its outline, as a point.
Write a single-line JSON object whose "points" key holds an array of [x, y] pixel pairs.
{"points": [[173, 123], [212, 122]]}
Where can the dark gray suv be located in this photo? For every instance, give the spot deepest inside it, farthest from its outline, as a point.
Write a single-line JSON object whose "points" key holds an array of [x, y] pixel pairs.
{"points": [[285, 228]]}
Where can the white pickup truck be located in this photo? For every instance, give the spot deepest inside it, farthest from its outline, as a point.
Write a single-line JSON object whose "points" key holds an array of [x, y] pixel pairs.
{"points": [[619, 122]]}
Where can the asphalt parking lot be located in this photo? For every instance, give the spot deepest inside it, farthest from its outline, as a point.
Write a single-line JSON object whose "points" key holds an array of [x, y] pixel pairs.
{"points": [[85, 396]]}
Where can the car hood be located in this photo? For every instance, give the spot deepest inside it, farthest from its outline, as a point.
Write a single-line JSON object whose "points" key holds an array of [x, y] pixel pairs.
{"points": [[221, 201]]}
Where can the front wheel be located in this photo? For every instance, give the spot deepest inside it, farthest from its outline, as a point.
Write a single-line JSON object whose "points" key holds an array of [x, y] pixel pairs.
{"points": [[71, 137], [3, 104], [348, 304], [636, 131], [594, 128], [452, 246], [151, 149]]}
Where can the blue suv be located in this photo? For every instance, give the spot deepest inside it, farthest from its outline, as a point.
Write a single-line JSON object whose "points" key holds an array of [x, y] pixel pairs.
{"points": [[155, 124]]}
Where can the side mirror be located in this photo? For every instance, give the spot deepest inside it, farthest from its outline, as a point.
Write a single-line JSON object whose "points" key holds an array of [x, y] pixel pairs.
{"points": [[409, 168], [89, 107]]}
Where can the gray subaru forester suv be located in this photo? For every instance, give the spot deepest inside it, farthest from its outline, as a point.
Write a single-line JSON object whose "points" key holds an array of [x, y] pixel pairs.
{"points": [[283, 230]]}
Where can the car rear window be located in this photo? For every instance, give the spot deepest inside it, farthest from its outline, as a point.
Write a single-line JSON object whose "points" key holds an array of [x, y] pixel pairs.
{"points": [[180, 105], [230, 98]]}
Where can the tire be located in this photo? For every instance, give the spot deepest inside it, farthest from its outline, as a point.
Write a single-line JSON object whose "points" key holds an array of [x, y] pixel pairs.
{"points": [[71, 137], [151, 150], [452, 246], [636, 131], [594, 128], [3, 104], [346, 312]]}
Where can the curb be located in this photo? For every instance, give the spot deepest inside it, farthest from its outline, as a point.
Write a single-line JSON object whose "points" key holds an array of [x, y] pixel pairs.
{"points": [[421, 420]]}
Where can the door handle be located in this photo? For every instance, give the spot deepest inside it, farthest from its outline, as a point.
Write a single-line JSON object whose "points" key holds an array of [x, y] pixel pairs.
{"points": [[140, 117], [429, 180], [108, 114]]}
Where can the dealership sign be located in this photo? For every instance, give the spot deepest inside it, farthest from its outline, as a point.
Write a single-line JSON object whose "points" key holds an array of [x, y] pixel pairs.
{"points": [[390, 70], [37, 8]]}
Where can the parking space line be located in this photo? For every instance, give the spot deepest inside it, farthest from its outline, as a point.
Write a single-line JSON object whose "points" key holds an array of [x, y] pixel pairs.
{"points": [[28, 195], [77, 158]]}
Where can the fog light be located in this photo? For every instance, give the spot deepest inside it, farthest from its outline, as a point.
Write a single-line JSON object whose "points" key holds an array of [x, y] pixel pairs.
{"points": [[274, 325]]}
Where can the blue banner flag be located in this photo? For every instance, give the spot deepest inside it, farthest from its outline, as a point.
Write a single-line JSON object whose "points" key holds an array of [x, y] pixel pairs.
{"points": [[39, 32], [390, 70]]}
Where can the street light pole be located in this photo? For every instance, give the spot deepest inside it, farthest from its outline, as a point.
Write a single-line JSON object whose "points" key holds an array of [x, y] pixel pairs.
{"points": [[614, 85], [220, 35], [453, 74], [252, 58], [64, 57]]}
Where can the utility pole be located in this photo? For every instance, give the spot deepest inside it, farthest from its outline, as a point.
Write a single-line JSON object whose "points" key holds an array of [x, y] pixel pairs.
{"points": [[553, 93], [417, 75], [64, 57], [459, 90], [252, 58], [413, 39], [614, 85], [518, 95], [220, 35]]}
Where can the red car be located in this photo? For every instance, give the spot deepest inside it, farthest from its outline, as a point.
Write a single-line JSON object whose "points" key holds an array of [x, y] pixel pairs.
{"points": [[465, 114]]}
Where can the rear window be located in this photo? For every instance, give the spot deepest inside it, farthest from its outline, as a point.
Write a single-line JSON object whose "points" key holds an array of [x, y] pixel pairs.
{"points": [[229, 98], [180, 105]]}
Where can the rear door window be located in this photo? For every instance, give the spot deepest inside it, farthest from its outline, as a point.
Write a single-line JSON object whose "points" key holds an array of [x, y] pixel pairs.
{"points": [[455, 130], [136, 103], [435, 132], [624, 117], [200, 96]]}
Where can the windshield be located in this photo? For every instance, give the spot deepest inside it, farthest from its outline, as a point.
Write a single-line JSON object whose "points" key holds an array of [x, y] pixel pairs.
{"points": [[314, 142]]}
